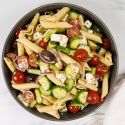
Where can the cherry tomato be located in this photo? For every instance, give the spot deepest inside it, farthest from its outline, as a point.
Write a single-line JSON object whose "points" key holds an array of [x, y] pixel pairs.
{"points": [[101, 100], [74, 31], [94, 60], [81, 55], [93, 97], [23, 63], [33, 60], [106, 43], [75, 23], [18, 77], [73, 109], [18, 32], [101, 69], [43, 44], [28, 96]]}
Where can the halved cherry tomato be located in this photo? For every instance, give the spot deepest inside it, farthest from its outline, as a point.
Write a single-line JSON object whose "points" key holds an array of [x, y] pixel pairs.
{"points": [[75, 23], [23, 63], [74, 31], [73, 109], [18, 32], [18, 77], [33, 60], [94, 60], [101, 69], [93, 97], [81, 55], [28, 96], [101, 100], [43, 44], [106, 43]]}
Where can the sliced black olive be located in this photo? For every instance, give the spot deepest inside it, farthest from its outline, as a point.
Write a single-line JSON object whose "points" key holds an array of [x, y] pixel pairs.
{"points": [[31, 78], [47, 57]]}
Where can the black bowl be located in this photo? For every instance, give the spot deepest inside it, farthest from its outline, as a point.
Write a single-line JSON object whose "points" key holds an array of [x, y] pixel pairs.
{"points": [[25, 20]]}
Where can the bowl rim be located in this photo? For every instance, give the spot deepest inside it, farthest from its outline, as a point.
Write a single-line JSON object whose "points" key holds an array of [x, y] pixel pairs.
{"points": [[62, 4]]}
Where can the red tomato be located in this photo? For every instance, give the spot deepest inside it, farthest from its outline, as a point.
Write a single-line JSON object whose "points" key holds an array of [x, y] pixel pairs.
{"points": [[74, 31], [28, 96], [18, 77], [75, 23], [23, 63], [101, 69], [106, 43], [33, 60], [101, 100], [73, 109], [94, 60], [81, 55], [93, 97], [43, 44], [18, 32]]}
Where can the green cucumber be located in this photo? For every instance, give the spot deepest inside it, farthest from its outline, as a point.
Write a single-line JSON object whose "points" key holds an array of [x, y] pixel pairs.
{"points": [[38, 96], [45, 92], [63, 49], [72, 52], [45, 83], [73, 15], [32, 104], [53, 68], [59, 92], [34, 71], [75, 102], [74, 42], [52, 44], [82, 96], [69, 84]]}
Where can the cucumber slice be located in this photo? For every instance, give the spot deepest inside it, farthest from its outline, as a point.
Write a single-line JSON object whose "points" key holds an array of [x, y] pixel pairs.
{"points": [[74, 42], [75, 102], [32, 105], [38, 96], [59, 92], [73, 15], [63, 49], [82, 96], [34, 71], [93, 70], [72, 52], [45, 92], [45, 83], [53, 68], [52, 44], [69, 84]]}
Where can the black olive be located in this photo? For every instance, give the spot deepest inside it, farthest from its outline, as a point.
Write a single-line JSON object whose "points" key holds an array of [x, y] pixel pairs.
{"points": [[47, 57], [31, 78]]}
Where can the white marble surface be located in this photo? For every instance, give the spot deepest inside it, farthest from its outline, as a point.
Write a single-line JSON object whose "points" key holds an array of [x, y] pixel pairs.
{"points": [[112, 12]]}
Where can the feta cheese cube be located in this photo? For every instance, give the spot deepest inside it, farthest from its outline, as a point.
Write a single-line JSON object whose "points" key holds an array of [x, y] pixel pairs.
{"points": [[37, 35], [61, 77], [62, 39], [88, 24], [83, 40]]}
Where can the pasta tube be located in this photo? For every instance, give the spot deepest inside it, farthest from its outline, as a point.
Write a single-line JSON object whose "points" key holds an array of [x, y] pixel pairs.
{"points": [[10, 65], [55, 24], [92, 37], [105, 85], [20, 48], [28, 51]]}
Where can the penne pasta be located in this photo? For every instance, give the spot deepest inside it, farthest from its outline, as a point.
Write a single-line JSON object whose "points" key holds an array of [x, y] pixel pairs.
{"points": [[29, 44], [10, 64], [28, 51], [87, 67], [25, 86], [105, 85], [20, 48], [29, 31], [88, 85], [92, 37], [54, 114], [49, 25], [46, 102], [49, 98], [81, 19]]}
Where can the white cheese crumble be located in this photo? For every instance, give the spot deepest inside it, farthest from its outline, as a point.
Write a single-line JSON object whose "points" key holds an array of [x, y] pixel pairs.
{"points": [[61, 77], [62, 39], [88, 24], [37, 35], [91, 79]]}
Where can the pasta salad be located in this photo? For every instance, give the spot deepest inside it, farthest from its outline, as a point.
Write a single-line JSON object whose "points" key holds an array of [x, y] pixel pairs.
{"points": [[60, 63]]}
